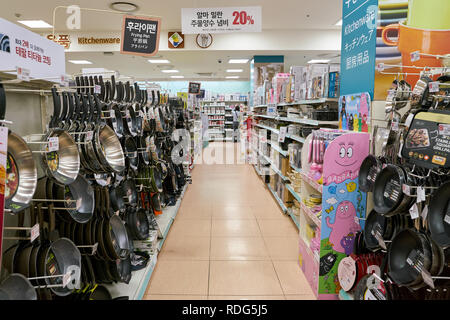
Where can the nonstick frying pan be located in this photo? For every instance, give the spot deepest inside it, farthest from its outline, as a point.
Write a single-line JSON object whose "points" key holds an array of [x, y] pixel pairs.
{"points": [[439, 215], [131, 152], [377, 223], [370, 168], [117, 241], [388, 196]]}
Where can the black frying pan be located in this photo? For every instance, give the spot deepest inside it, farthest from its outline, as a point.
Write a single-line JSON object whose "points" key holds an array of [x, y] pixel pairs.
{"points": [[438, 210]]}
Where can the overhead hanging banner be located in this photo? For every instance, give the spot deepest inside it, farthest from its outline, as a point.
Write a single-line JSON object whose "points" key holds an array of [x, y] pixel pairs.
{"points": [[140, 36], [359, 37], [21, 48], [221, 20], [4, 169]]}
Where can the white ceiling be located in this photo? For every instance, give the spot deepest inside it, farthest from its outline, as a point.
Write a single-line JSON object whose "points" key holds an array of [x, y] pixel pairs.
{"points": [[277, 15]]}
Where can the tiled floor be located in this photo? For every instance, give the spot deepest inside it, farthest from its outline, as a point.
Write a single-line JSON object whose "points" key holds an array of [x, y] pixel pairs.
{"points": [[229, 241]]}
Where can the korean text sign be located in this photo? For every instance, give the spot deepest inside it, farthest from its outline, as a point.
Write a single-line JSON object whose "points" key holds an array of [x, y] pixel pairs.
{"points": [[359, 35], [221, 20], [28, 50], [140, 36]]}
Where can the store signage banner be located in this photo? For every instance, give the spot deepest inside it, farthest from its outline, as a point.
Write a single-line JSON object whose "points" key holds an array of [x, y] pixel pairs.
{"points": [[3, 172], [22, 48], [140, 36], [359, 36], [221, 20], [194, 87]]}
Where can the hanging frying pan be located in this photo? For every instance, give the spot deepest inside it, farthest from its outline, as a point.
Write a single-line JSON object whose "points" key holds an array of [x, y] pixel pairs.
{"points": [[82, 192], [21, 174], [376, 223], [98, 292], [115, 119], [109, 149], [439, 215], [117, 242], [388, 196], [156, 180], [131, 152], [116, 197], [156, 204], [129, 189], [138, 223], [17, 287], [370, 168], [144, 153]]}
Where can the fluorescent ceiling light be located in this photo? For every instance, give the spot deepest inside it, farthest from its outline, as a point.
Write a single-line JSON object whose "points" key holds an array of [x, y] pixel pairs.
{"points": [[80, 62], [238, 60], [177, 77], [159, 61], [36, 24], [232, 77], [235, 70], [170, 71], [318, 61]]}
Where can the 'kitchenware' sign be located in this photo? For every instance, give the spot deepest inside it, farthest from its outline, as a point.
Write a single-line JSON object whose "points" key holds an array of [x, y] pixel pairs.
{"points": [[140, 35]]}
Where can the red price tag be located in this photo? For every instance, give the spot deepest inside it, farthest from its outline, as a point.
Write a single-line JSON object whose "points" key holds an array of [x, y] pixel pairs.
{"points": [[433, 86], [34, 232]]}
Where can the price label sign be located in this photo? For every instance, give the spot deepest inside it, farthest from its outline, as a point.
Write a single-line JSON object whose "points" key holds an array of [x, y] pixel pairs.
{"points": [[414, 211], [447, 218], [433, 86], [89, 135], [140, 36], [66, 279], [415, 56], [53, 144], [64, 81], [406, 189], [23, 74], [97, 89], [420, 194], [425, 212], [380, 67], [94, 248], [394, 125], [35, 232]]}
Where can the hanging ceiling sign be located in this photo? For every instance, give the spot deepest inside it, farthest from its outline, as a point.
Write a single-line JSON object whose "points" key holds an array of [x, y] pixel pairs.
{"points": [[194, 87], [3, 169], [140, 36], [21, 48], [221, 20], [176, 40]]}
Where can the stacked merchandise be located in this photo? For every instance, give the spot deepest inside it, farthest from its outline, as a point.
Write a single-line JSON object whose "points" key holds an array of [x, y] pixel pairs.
{"points": [[407, 234], [108, 171]]}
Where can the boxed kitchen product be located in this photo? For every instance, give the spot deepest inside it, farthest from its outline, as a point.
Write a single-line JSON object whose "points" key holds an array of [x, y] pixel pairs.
{"points": [[288, 198], [299, 73], [284, 168], [316, 77], [277, 85], [333, 84]]}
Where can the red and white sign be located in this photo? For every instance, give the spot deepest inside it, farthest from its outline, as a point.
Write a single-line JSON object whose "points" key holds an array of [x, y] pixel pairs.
{"points": [[21, 48], [221, 20]]}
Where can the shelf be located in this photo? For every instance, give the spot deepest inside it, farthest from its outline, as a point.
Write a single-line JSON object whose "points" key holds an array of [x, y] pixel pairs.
{"points": [[295, 168], [294, 193], [261, 106], [306, 102], [275, 195], [311, 215], [135, 290], [274, 168], [296, 138], [215, 114], [230, 101], [294, 218], [317, 186], [264, 116], [282, 152], [308, 121], [268, 128]]}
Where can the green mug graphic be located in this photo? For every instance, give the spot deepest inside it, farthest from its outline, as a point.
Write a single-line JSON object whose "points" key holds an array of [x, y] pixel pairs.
{"points": [[429, 14]]}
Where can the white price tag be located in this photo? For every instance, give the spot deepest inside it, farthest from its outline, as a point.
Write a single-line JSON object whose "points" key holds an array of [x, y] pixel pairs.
{"points": [[433, 86], [394, 125], [380, 67], [127, 113], [89, 135], [356, 220], [415, 56], [444, 129], [79, 203], [66, 279], [53, 144], [447, 218], [406, 189], [420, 194], [64, 82], [400, 150], [414, 211], [94, 248], [23, 74], [379, 239], [97, 89], [282, 135], [34, 232], [409, 120], [425, 212], [427, 278]]}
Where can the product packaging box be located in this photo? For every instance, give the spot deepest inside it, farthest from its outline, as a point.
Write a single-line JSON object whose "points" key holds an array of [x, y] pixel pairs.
{"points": [[285, 165], [316, 77], [277, 85], [333, 85], [300, 74]]}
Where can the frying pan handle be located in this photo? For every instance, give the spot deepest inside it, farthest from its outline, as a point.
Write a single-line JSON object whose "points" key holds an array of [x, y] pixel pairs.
{"points": [[127, 91], [108, 96], [40, 215], [72, 107], [86, 111], [56, 108], [113, 88], [107, 201], [102, 88], [138, 97], [86, 82], [132, 94], [118, 90], [79, 111], [53, 233], [2, 102], [78, 83], [33, 218], [158, 96], [82, 84], [91, 84], [92, 115], [65, 108], [98, 103]]}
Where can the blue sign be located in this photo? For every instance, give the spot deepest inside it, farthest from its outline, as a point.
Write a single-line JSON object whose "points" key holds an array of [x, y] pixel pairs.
{"points": [[358, 48]]}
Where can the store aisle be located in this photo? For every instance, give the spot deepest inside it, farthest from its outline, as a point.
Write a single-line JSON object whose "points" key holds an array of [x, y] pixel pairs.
{"points": [[229, 241]]}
